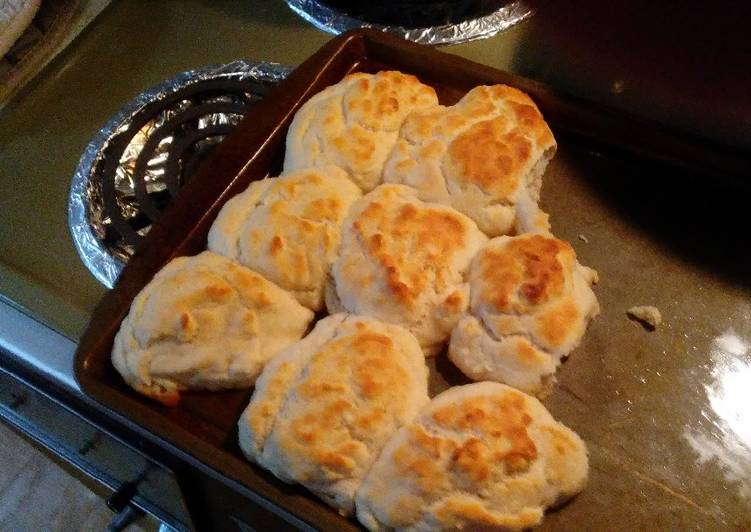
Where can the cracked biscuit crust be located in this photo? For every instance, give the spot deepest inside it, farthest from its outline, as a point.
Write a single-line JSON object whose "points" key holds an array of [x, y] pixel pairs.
{"points": [[530, 305], [324, 408], [288, 229], [480, 456], [355, 123], [204, 322], [404, 261], [484, 156]]}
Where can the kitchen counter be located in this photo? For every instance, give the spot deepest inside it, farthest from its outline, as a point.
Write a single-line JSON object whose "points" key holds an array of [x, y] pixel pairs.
{"points": [[135, 44]]}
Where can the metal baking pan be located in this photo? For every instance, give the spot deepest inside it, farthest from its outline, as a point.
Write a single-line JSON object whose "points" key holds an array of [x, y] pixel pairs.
{"points": [[660, 215]]}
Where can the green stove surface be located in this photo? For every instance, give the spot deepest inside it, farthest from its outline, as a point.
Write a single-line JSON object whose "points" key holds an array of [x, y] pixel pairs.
{"points": [[131, 46]]}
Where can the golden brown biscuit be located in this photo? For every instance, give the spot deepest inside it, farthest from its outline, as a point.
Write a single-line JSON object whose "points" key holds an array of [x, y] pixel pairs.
{"points": [[224, 234], [204, 322], [478, 457], [484, 156], [288, 229], [530, 305], [354, 124], [404, 261], [323, 409]]}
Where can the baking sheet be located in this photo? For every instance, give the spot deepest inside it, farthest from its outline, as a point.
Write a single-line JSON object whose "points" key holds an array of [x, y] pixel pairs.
{"points": [[664, 413]]}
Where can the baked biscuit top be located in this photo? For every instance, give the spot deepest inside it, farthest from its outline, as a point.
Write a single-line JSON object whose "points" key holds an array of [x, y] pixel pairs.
{"points": [[355, 123], [481, 155], [324, 408], [288, 228], [204, 322], [480, 455]]}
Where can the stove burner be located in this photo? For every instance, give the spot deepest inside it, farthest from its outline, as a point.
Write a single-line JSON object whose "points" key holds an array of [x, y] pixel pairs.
{"points": [[144, 166], [422, 21], [134, 169], [416, 13]]}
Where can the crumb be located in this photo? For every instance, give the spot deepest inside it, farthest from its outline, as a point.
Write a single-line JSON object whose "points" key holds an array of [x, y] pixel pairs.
{"points": [[584, 239], [649, 316]]}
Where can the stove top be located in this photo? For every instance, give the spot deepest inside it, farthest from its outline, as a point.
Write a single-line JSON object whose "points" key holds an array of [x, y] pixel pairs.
{"points": [[134, 168], [58, 114], [42, 279]]}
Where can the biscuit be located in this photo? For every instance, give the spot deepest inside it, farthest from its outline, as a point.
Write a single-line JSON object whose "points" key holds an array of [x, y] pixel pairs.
{"points": [[404, 261], [355, 123], [288, 229], [530, 305], [484, 156], [478, 457], [323, 409], [204, 322], [224, 234]]}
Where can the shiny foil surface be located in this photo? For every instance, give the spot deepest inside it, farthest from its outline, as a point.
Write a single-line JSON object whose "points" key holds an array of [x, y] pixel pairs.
{"points": [[87, 219], [330, 20]]}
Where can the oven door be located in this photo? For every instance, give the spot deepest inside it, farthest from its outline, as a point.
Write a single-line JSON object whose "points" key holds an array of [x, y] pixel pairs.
{"points": [[38, 398]]}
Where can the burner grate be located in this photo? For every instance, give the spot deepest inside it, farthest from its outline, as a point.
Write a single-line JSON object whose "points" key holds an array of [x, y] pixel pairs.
{"points": [[126, 180], [178, 132]]}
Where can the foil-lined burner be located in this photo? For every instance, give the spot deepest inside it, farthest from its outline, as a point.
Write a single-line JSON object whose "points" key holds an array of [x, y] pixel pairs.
{"points": [[421, 21], [135, 167], [417, 13]]}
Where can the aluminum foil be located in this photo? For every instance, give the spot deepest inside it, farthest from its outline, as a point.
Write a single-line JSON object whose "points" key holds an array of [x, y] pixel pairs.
{"points": [[330, 20], [86, 218]]}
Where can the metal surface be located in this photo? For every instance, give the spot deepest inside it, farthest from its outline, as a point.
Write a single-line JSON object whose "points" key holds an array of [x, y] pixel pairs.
{"points": [[32, 343], [664, 413], [329, 19], [26, 343], [90, 450], [133, 168]]}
